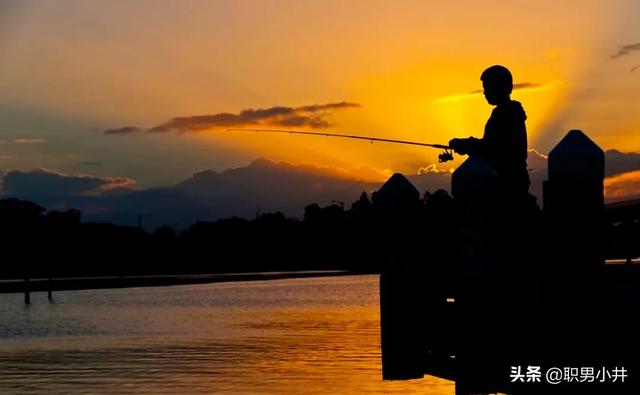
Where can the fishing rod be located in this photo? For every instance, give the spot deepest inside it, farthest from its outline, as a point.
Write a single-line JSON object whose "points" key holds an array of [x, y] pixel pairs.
{"points": [[446, 156]]}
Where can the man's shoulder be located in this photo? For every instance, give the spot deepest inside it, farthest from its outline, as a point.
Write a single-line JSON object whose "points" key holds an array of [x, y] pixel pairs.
{"points": [[512, 109]]}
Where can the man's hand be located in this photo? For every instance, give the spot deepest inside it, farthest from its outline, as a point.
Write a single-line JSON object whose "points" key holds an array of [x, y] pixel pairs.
{"points": [[459, 146], [468, 146]]}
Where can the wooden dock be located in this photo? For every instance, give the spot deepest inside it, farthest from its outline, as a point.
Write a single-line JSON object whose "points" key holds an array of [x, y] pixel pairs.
{"points": [[539, 299]]}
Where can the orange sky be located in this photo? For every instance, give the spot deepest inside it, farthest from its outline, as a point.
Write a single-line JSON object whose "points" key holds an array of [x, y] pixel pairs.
{"points": [[94, 65]]}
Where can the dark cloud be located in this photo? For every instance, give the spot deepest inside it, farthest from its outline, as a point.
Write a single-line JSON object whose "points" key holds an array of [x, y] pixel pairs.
{"points": [[328, 106], [90, 163], [304, 121], [626, 50], [122, 131], [625, 186], [263, 184], [622, 175], [521, 85], [43, 185], [524, 85], [311, 116], [617, 162], [430, 180], [207, 195]]}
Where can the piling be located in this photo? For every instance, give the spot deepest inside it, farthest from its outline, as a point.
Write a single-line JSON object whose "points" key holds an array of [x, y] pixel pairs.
{"points": [[574, 208]]}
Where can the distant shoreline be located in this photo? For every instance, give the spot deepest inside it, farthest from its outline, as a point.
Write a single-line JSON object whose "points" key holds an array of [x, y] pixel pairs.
{"points": [[112, 282]]}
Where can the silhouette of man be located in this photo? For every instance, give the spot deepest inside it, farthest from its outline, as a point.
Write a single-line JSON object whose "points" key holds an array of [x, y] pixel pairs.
{"points": [[510, 211], [504, 144]]}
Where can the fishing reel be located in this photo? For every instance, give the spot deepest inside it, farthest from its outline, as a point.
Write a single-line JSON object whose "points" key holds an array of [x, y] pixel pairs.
{"points": [[446, 156]]}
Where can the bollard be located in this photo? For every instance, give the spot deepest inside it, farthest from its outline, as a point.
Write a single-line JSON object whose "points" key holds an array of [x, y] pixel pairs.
{"points": [[401, 302], [574, 207], [397, 193], [472, 187], [574, 198], [401, 337]]}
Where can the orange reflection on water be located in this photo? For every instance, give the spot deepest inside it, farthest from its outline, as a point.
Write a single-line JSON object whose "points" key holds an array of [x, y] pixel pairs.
{"points": [[294, 336]]}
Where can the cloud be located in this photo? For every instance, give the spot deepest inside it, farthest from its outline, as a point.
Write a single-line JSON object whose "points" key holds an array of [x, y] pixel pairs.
{"points": [[634, 68], [361, 172], [29, 141], [369, 173], [623, 186], [617, 162], [311, 116], [43, 185], [622, 174], [431, 181], [626, 50], [207, 195], [522, 85], [121, 131], [90, 163], [263, 185], [432, 168], [525, 86], [328, 106]]}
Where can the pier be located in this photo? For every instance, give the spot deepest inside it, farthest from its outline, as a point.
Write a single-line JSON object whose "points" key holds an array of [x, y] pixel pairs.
{"points": [[537, 296]]}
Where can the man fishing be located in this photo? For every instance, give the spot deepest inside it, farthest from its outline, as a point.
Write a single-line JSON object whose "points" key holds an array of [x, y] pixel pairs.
{"points": [[504, 144], [510, 217]]}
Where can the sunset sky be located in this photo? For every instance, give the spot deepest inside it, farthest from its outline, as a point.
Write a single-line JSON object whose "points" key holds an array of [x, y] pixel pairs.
{"points": [[91, 87]]}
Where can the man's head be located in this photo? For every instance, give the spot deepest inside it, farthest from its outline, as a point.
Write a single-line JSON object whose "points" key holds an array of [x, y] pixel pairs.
{"points": [[497, 83]]}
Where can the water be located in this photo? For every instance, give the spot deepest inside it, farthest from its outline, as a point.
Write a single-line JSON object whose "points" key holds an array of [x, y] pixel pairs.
{"points": [[307, 336]]}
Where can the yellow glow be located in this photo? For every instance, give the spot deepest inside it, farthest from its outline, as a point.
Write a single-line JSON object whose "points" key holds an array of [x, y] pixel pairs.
{"points": [[407, 63], [623, 186], [478, 93]]}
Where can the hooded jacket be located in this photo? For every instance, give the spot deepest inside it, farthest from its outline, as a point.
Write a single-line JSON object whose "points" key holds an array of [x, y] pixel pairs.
{"points": [[504, 146]]}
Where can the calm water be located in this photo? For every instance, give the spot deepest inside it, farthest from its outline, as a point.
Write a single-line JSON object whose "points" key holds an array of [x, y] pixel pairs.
{"points": [[318, 335]]}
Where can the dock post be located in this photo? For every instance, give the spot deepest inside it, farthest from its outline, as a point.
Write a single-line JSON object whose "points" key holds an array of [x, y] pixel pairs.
{"points": [[574, 207], [473, 186], [402, 356], [401, 299]]}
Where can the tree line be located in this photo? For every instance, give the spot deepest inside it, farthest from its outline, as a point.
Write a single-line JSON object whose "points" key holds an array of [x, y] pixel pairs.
{"points": [[362, 237]]}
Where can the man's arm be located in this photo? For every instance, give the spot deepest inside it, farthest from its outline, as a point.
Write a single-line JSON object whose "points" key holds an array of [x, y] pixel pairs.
{"points": [[470, 146]]}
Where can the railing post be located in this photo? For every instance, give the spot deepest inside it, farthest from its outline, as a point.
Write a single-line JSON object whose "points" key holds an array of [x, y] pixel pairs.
{"points": [[574, 207], [401, 338], [473, 187], [401, 302]]}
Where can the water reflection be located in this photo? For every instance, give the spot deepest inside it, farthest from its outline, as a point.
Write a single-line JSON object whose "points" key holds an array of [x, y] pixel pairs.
{"points": [[286, 336]]}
